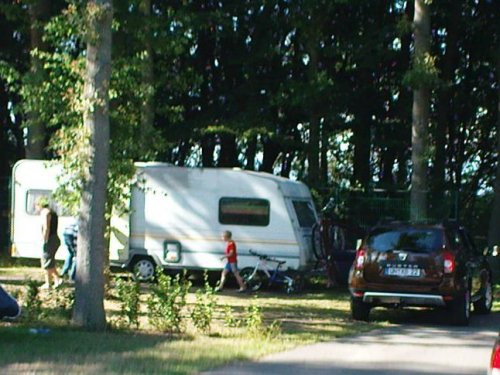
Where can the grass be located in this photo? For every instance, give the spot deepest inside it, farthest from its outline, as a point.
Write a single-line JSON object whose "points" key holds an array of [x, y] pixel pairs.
{"points": [[317, 315], [310, 317]]}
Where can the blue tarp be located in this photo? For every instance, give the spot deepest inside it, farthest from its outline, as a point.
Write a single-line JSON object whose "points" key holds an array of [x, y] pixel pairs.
{"points": [[9, 308]]}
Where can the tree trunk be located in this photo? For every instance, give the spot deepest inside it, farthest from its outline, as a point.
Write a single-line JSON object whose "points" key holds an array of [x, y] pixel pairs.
{"points": [[323, 161], [403, 134], [147, 110], [89, 310], [387, 161], [36, 131], [420, 117], [271, 151], [494, 232], [228, 157], [207, 150], [251, 153], [313, 148], [444, 108], [362, 144]]}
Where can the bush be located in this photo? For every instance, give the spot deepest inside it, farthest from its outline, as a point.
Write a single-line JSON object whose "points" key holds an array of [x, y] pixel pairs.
{"points": [[166, 303], [128, 294], [203, 310], [255, 323], [32, 310], [230, 320]]}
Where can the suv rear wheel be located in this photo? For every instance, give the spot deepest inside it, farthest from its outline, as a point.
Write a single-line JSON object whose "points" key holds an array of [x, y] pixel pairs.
{"points": [[460, 309], [360, 310]]}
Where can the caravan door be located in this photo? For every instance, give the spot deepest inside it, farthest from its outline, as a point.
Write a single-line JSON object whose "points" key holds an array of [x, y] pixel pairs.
{"points": [[305, 218]]}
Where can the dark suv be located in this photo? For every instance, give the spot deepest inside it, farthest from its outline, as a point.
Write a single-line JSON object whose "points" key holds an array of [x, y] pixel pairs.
{"points": [[426, 265]]}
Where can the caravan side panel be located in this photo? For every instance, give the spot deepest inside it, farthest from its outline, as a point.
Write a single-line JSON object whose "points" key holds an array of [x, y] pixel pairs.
{"points": [[181, 206]]}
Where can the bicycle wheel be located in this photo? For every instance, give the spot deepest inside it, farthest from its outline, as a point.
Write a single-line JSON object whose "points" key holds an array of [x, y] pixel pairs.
{"points": [[253, 281], [317, 243], [337, 236], [293, 282]]}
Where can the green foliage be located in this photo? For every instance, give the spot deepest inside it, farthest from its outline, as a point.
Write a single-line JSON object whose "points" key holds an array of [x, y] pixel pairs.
{"points": [[253, 319], [204, 307], [258, 70], [64, 69], [128, 294], [95, 13], [272, 331], [167, 301], [404, 26], [11, 76], [217, 129], [230, 319], [423, 73], [64, 301], [254, 323], [32, 310]]}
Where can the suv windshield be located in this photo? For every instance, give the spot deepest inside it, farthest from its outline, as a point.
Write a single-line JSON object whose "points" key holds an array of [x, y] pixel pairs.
{"points": [[408, 239]]}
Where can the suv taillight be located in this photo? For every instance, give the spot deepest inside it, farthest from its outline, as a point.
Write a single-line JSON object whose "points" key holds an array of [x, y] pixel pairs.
{"points": [[448, 261], [360, 258], [495, 360]]}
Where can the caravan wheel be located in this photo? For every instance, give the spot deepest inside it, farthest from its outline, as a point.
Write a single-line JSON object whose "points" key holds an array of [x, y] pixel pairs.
{"points": [[144, 269]]}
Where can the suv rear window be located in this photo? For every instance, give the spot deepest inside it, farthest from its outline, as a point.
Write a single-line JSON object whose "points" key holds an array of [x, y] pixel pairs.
{"points": [[407, 239]]}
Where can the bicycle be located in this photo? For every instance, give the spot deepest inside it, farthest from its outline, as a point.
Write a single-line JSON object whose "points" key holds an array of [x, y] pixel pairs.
{"points": [[264, 274]]}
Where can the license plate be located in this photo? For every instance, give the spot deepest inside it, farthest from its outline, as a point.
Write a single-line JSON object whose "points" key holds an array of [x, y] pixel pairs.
{"points": [[410, 272]]}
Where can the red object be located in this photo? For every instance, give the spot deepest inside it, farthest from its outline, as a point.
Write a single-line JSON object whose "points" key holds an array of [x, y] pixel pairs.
{"points": [[448, 261], [495, 356], [360, 258], [231, 252]]}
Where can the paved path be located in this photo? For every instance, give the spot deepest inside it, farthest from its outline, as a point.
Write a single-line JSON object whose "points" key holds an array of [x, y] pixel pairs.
{"points": [[405, 349]]}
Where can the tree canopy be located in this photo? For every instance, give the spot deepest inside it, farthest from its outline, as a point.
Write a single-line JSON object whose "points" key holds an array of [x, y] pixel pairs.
{"points": [[319, 90]]}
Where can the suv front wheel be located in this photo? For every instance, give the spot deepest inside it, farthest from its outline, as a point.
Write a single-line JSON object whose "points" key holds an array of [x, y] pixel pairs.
{"points": [[484, 304], [360, 310]]}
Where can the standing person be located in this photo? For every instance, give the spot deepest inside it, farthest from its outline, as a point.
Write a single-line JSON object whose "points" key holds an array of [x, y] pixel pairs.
{"points": [[51, 243], [70, 235], [232, 262]]}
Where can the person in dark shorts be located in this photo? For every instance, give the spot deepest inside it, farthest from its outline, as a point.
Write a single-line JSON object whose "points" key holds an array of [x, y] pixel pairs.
{"points": [[50, 241], [232, 263]]}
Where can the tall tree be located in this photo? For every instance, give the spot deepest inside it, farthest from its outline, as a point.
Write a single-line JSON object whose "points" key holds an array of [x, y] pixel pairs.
{"points": [[39, 12], [445, 118], [147, 110], [89, 303], [420, 112], [494, 232]]}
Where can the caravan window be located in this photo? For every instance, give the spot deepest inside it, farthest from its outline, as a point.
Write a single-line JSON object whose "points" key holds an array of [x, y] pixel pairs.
{"points": [[32, 197], [305, 214], [244, 211]]}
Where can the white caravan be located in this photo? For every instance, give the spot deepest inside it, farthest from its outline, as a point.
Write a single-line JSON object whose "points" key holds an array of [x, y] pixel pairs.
{"points": [[177, 216]]}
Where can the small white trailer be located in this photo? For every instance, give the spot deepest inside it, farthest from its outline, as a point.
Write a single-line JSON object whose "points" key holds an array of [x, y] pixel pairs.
{"points": [[177, 216]]}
